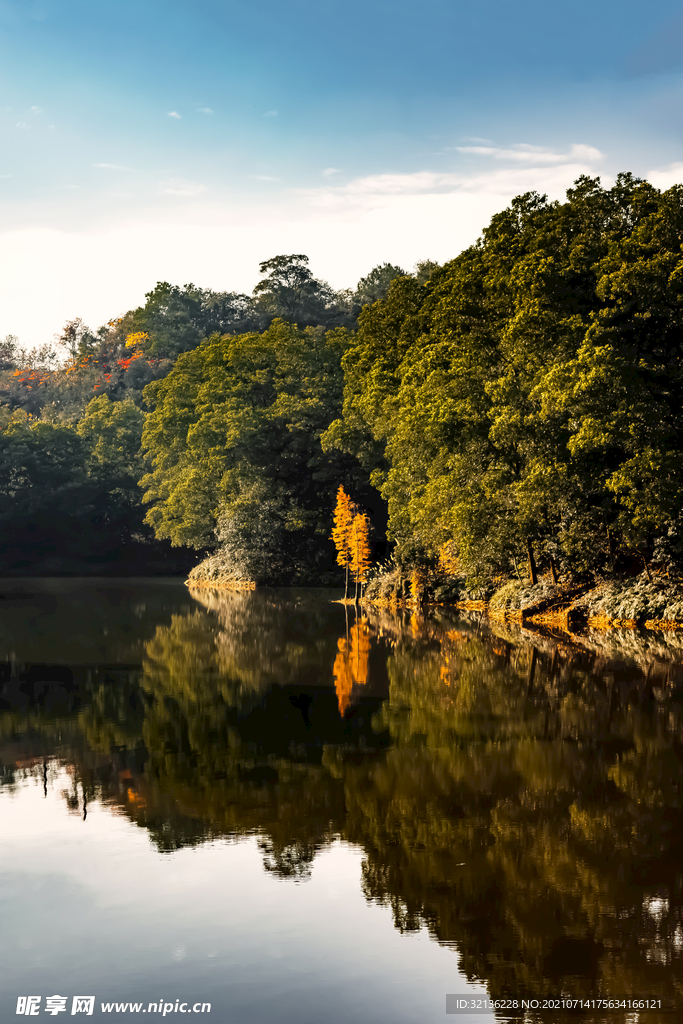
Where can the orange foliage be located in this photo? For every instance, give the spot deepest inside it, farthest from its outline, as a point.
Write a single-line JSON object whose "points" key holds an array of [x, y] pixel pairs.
{"points": [[352, 664], [125, 363], [360, 548], [341, 531], [448, 559]]}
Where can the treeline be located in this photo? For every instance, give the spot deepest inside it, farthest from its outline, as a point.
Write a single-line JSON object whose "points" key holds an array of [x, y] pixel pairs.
{"points": [[72, 414], [525, 403], [519, 405]]}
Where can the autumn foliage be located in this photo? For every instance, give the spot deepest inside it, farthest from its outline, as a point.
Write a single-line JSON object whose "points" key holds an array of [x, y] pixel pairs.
{"points": [[344, 513], [352, 665], [360, 549], [351, 535]]}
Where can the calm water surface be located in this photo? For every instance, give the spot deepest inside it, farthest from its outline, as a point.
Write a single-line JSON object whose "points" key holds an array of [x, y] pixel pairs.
{"points": [[262, 802]]}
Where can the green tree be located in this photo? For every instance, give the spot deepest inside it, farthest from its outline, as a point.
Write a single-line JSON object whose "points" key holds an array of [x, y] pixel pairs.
{"points": [[236, 423], [375, 285], [46, 499], [290, 292], [113, 434], [177, 319]]}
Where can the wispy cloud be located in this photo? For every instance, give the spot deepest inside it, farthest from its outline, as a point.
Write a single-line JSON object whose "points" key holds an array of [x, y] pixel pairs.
{"points": [[523, 153], [181, 187], [330, 172], [265, 177], [204, 110], [36, 110], [113, 167], [535, 171], [270, 113], [174, 114], [22, 125], [5, 175]]}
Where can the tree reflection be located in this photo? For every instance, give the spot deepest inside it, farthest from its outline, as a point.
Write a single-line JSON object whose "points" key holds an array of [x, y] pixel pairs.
{"points": [[520, 796], [352, 665]]}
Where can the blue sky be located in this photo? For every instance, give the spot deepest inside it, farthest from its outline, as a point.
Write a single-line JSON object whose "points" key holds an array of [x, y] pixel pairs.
{"points": [[189, 141]]}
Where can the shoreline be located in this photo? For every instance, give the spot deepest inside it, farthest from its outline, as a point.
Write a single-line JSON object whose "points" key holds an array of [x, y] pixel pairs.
{"points": [[619, 603]]}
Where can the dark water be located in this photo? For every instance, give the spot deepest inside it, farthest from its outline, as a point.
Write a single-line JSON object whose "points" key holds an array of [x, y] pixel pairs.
{"points": [[260, 802]]}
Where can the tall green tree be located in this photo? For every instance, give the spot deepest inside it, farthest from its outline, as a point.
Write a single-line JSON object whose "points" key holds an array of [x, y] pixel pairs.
{"points": [[290, 292], [375, 285], [236, 425]]}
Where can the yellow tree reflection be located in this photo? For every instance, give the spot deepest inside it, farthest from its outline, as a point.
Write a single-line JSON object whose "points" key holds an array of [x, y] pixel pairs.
{"points": [[351, 666]]}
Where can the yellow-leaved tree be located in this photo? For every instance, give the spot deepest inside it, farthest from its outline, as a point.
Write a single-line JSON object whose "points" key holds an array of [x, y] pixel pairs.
{"points": [[361, 553], [344, 512]]}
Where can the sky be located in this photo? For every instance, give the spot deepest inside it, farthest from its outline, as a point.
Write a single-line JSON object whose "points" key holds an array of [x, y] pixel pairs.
{"points": [[189, 141]]}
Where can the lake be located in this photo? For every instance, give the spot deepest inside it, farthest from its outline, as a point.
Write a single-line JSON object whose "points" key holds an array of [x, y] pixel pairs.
{"points": [[262, 806]]}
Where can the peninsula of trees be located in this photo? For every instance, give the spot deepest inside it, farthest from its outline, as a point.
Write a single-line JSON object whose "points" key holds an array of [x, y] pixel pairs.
{"points": [[514, 411]]}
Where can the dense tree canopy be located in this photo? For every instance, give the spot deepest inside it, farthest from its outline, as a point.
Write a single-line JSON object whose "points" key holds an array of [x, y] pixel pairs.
{"points": [[234, 440], [175, 320], [93, 381], [530, 390]]}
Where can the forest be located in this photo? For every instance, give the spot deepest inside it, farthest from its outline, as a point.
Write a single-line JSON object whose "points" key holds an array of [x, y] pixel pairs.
{"points": [[514, 411]]}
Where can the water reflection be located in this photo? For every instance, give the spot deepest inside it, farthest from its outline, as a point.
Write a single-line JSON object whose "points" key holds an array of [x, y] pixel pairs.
{"points": [[352, 664], [518, 795]]}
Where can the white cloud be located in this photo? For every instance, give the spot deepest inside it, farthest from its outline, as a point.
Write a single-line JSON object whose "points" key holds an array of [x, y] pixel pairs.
{"points": [[270, 113], [36, 110], [102, 272], [665, 177], [112, 167], [192, 234], [204, 110], [330, 172], [265, 177], [5, 175], [523, 153], [181, 187], [533, 169], [22, 124], [175, 114]]}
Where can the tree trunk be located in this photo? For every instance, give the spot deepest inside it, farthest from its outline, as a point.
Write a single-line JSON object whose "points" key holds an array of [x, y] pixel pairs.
{"points": [[346, 585], [553, 569], [533, 575]]}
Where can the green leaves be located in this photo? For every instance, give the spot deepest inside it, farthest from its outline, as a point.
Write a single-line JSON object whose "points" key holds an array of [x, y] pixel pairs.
{"points": [[533, 390], [236, 427]]}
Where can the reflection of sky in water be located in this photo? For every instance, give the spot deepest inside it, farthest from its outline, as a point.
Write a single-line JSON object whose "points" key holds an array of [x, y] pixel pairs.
{"points": [[91, 907], [518, 795]]}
